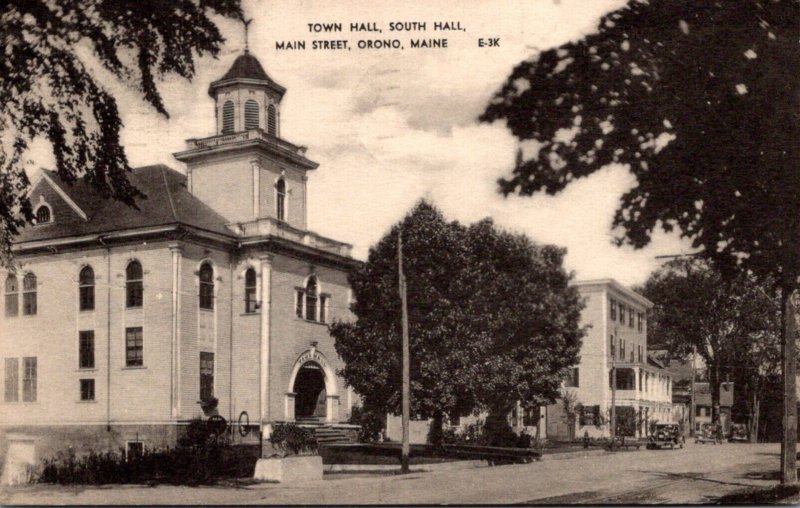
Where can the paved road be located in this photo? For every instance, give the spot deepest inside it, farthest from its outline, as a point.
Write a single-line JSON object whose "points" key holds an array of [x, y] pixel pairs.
{"points": [[695, 474]]}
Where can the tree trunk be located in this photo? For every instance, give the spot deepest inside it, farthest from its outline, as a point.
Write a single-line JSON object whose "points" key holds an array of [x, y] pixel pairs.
{"points": [[754, 438], [714, 381], [436, 433], [789, 439]]}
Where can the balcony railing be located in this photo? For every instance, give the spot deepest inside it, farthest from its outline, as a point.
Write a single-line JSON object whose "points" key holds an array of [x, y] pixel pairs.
{"points": [[249, 135], [273, 227]]}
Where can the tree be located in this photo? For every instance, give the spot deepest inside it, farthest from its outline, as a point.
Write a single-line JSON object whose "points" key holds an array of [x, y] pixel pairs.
{"points": [[701, 101], [50, 85], [492, 320], [725, 321]]}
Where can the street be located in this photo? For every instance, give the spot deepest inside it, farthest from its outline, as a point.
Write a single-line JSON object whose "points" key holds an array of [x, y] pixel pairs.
{"points": [[696, 474]]}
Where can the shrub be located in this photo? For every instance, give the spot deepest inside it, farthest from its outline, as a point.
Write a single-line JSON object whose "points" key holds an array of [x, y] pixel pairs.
{"points": [[497, 432], [371, 423], [289, 437]]}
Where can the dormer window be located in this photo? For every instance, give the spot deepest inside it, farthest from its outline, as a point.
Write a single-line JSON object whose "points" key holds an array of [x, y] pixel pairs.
{"points": [[227, 117], [43, 215], [251, 115]]}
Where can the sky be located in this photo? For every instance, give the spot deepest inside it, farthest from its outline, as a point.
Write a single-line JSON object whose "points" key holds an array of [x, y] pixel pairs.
{"points": [[389, 127]]}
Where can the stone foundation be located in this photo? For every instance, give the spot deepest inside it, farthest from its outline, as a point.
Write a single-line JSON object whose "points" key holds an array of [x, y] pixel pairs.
{"points": [[289, 469]]}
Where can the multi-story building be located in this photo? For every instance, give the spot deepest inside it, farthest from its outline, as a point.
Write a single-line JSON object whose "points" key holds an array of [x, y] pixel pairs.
{"points": [[615, 346], [120, 325]]}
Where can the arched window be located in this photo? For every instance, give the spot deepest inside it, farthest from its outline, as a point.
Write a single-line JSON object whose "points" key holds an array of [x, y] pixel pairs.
{"points": [[227, 117], [12, 295], [134, 288], [29, 294], [272, 120], [206, 286], [86, 288], [43, 214], [280, 199], [250, 300], [251, 115], [311, 299]]}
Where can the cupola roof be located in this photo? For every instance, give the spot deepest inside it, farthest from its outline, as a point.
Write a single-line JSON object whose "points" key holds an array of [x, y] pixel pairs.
{"points": [[246, 69]]}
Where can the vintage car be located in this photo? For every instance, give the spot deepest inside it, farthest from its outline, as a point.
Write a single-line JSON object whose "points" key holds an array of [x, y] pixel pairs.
{"points": [[709, 433], [738, 433], [665, 434]]}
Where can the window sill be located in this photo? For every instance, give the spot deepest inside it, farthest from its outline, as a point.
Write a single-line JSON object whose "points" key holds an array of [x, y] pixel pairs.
{"points": [[138, 307], [87, 311], [250, 314], [86, 369], [323, 323], [134, 367], [93, 401]]}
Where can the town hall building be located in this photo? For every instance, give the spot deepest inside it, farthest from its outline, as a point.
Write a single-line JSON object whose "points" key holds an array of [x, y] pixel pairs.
{"points": [[121, 325]]}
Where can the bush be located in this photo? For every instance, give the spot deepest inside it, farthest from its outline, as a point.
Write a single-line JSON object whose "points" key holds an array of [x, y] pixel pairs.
{"points": [[371, 423], [288, 437], [200, 458], [498, 432]]}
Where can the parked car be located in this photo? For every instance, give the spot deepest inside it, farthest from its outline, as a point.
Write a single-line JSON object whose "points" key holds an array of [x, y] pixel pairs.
{"points": [[739, 433], [665, 434], [709, 433]]}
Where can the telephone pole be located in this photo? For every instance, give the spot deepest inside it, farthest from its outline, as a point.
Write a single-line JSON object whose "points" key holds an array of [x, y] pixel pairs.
{"points": [[613, 391], [406, 368]]}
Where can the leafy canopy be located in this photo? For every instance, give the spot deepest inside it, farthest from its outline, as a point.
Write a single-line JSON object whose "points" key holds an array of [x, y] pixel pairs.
{"points": [[48, 90], [491, 317], [700, 99]]}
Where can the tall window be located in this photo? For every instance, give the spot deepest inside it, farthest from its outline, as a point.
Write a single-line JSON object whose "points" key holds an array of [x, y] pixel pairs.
{"points": [[86, 349], [12, 295], [280, 199], [621, 349], [251, 115], [29, 379], [639, 316], [134, 289], [43, 215], [613, 352], [323, 303], [29, 294], [227, 117], [86, 288], [272, 120], [622, 313], [87, 389], [311, 299], [11, 379], [250, 301], [206, 376], [572, 380], [206, 286], [134, 347], [613, 307], [630, 317]]}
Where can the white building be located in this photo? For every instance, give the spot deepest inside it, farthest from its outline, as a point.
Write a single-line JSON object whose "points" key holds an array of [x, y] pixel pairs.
{"points": [[616, 339]]}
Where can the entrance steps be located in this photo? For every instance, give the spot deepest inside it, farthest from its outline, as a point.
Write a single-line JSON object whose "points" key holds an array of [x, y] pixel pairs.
{"points": [[326, 433]]}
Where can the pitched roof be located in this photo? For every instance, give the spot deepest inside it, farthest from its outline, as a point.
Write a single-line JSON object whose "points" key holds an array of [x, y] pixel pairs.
{"points": [[246, 66], [168, 202]]}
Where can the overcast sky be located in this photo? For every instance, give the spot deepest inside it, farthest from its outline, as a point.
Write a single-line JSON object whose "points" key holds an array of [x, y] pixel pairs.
{"points": [[389, 127]]}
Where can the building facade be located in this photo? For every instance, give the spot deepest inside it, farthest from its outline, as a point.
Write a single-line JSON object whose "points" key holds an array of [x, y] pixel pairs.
{"points": [[615, 346], [121, 325]]}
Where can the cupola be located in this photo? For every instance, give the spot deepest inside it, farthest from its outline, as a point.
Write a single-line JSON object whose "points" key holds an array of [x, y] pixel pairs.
{"points": [[247, 98]]}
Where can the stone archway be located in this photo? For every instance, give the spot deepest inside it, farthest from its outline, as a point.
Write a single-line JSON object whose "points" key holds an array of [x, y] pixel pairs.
{"points": [[310, 396], [312, 391]]}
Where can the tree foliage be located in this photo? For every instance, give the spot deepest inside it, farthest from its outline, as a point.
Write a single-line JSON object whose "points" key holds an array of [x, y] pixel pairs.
{"points": [[700, 99], [733, 324], [492, 319], [50, 84]]}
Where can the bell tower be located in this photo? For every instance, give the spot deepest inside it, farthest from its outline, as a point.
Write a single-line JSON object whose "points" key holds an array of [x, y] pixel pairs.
{"points": [[246, 171]]}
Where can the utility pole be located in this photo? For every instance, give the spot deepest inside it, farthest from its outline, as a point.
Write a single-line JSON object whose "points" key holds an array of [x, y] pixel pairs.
{"points": [[694, 402], [406, 367], [789, 440], [613, 390]]}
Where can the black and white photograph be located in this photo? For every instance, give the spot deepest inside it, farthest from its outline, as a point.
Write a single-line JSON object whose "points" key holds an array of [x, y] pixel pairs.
{"points": [[310, 252]]}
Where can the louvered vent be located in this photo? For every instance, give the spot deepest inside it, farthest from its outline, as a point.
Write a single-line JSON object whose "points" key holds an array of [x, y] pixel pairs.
{"points": [[251, 115], [227, 118], [272, 120]]}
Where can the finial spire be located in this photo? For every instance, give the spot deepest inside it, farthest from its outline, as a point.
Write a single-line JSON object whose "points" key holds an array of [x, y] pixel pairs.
{"points": [[246, 23]]}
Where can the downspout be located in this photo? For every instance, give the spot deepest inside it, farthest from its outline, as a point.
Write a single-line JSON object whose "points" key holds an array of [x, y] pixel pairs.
{"points": [[232, 313], [108, 334]]}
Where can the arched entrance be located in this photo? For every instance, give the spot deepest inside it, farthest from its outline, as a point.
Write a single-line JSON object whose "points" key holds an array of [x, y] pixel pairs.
{"points": [[310, 400]]}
